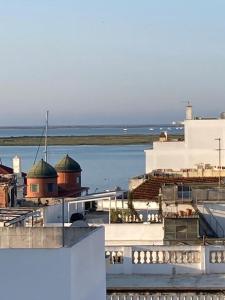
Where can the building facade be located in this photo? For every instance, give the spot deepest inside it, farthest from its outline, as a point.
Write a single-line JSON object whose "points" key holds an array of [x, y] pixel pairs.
{"points": [[42, 181], [202, 139]]}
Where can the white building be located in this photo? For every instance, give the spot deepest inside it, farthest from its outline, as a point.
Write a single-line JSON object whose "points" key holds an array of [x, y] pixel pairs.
{"points": [[199, 146], [52, 263]]}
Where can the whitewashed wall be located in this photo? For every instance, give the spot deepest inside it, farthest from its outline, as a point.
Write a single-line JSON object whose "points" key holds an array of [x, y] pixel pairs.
{"points": [[35, 274], [123, 204], [53, 213], [63, 273], [134, 234], [199, 147], [88, 268]]}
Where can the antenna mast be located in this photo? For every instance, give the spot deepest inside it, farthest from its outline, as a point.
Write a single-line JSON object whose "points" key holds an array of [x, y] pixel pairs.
{"points": [[46, 137], [220, 165]]}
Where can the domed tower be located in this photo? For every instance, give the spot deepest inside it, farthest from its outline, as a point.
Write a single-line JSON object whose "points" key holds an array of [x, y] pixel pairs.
{"points": [[42, 181], [69, 176]]}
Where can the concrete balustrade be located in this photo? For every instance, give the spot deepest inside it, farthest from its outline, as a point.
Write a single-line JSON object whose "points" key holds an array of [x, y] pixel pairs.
{"points": [[165, 259]]}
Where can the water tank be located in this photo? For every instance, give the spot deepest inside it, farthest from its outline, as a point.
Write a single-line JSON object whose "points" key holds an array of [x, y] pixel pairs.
{"points": [[222, 115], [189, 115], [16, 165]]}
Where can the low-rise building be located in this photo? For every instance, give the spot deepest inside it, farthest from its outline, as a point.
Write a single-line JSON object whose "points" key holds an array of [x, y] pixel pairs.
{"points": [[63, 180], [203, 140], [52, 263]]}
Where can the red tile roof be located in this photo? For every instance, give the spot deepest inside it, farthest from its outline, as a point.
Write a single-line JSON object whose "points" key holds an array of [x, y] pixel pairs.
{"points": [[149, 189], [4, 170]]}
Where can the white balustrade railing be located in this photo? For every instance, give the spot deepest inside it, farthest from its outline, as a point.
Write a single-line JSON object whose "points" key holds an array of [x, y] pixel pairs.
{"points": [[217, 257], [115, 257], [140, 218], [165, 259]]}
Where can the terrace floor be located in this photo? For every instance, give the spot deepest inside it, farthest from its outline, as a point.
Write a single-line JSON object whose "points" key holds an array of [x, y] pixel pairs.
{"points": [[136, 282]]}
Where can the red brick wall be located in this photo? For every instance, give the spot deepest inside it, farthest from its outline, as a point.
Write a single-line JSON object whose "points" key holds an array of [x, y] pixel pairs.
{"points": [[68, 181], [4, 196], [43, 188]]}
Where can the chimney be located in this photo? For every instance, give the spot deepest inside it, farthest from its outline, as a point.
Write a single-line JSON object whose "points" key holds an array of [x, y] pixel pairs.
{"points": [[189, 114], [17, 165]]}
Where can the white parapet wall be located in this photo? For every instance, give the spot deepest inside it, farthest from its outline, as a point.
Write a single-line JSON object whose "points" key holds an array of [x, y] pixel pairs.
{"points": [[67, 273], [105, 205], [88, 268], [167, 260], [134, 234]]}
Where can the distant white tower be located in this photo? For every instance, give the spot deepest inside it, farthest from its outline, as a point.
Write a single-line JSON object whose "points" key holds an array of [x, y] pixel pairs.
{"points": [[189, 114], [17, 165]]}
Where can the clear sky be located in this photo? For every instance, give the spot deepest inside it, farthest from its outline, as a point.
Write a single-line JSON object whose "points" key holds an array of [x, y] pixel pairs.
{"points": [[110, 61]]}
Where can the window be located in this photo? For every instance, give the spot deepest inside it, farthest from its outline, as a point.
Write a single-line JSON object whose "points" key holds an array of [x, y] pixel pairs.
{"points": [[34, 188], [78, 180], [50, 187]]}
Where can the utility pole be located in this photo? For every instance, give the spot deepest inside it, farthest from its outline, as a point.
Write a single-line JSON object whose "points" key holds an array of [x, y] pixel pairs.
{"points": [[46, 137], [219, 149], [63, 222]]}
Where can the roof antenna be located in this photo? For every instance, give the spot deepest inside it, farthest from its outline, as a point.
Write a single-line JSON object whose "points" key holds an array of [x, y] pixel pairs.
{"points": [[46, 137]]}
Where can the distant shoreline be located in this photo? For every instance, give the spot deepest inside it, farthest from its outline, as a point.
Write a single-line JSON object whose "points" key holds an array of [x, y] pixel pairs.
{"points": [[82, 140], [94, 126]]}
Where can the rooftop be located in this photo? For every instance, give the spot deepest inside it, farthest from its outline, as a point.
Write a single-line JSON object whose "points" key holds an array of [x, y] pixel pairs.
{"points": [[42, 170], [7, 170], [134, 282], [67, 164], [10, 216]]}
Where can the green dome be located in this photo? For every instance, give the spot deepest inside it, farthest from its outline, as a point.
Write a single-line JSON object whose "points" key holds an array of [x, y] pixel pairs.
{"points": [[42, 170], [67, 164]]}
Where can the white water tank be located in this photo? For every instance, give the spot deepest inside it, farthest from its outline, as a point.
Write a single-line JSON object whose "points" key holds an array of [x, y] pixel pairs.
{"points": [[189, 115], [16, 165]]}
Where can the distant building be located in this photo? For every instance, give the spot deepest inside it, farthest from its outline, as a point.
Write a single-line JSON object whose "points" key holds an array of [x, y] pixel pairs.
{"points": [[42, 181], [9, 186], [6, 190], [200, 146], [63, 180], [69, 177]]}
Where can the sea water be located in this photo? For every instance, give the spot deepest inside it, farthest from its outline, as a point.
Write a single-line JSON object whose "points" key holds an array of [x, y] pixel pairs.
{"points": [[103, 167], [91, 130]]}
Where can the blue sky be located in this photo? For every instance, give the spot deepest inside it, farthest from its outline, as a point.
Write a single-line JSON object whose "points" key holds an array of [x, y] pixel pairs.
{"points": [[117, 61]]}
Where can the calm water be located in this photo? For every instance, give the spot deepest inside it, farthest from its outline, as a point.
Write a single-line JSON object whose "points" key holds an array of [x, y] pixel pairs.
{"points": [[92, 131], [104, 167]]}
